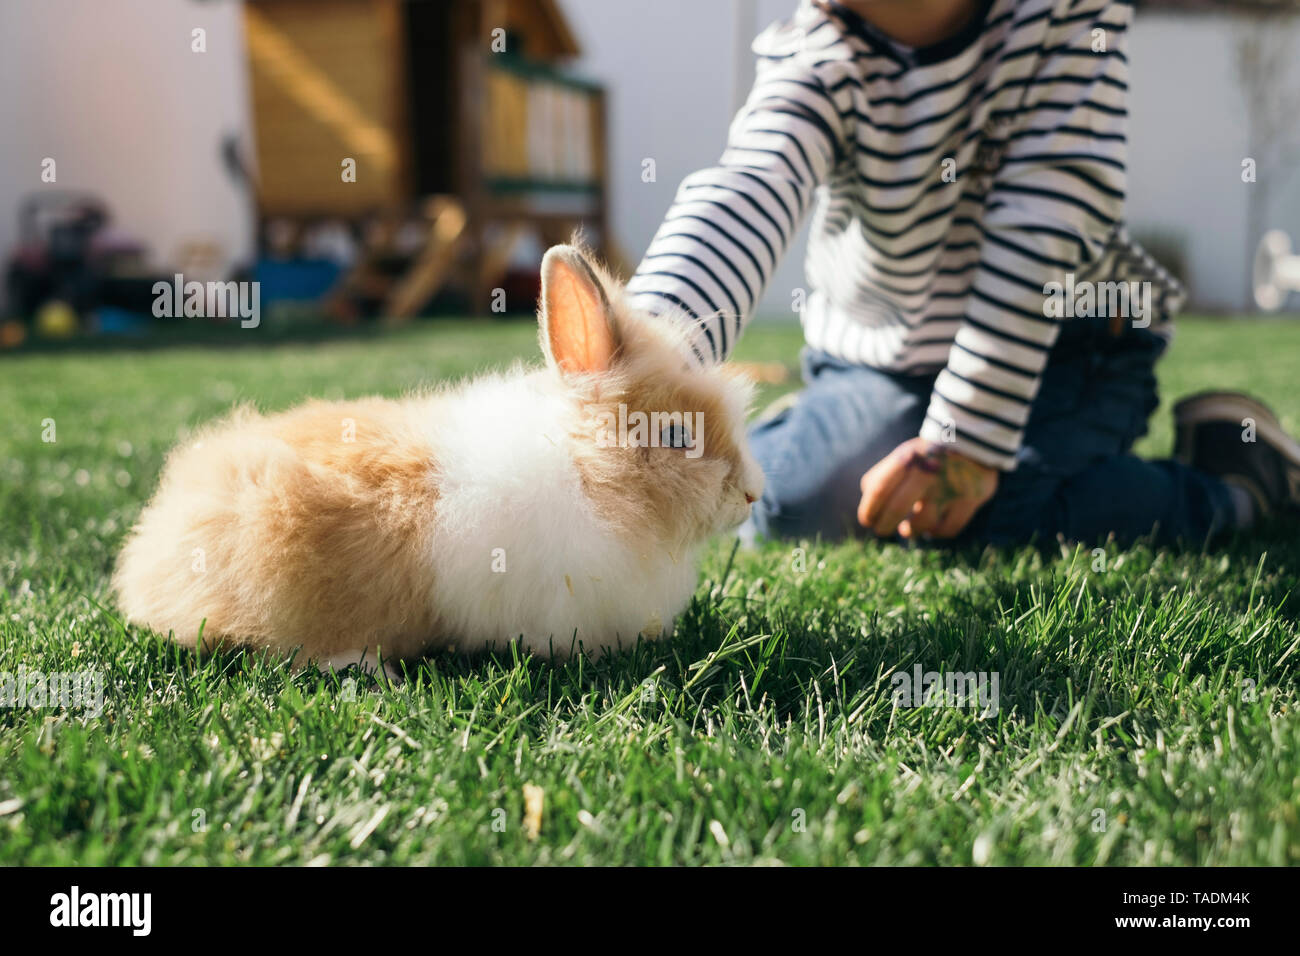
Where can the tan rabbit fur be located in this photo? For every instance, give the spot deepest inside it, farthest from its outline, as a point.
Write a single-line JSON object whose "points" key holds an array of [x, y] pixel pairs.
{"points": [[356, 528], [284, 535]]}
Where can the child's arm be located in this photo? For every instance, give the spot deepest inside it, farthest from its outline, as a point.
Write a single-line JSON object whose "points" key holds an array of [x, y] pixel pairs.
{"points": [[730, 224], [1054, 200]]}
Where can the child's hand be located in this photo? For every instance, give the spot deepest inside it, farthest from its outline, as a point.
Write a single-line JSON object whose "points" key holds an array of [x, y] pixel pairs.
{"points": [[921, 488]]}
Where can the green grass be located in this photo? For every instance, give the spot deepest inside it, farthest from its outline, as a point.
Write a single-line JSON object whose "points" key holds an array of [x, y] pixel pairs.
{"points": [[1148, 712]]}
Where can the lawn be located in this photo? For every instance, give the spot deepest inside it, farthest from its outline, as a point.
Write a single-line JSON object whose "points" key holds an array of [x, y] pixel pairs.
{"points": [[1147, 709]]}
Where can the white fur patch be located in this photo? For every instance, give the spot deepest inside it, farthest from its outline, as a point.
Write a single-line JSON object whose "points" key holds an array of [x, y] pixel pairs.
{"points": [[519, 551]]}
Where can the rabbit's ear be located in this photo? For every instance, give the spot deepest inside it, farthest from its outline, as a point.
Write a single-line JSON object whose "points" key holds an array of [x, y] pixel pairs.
{"points": [[578, 333]]}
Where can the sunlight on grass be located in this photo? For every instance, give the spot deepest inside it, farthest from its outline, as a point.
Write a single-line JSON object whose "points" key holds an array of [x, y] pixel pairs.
{"points": [[1147, 713]]}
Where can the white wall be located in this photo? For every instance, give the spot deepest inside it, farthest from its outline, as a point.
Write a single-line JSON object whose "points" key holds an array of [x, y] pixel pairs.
{"points": [[112, 92], [676, 71], [1187, 140], [672, 71]]}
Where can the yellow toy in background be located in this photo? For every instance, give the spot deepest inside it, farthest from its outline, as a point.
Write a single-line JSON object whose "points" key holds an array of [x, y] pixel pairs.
{"points": [[56, 320]]}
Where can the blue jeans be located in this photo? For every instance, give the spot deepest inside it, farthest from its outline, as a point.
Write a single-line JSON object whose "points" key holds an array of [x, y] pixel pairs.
{"points": [[1075, 474]]}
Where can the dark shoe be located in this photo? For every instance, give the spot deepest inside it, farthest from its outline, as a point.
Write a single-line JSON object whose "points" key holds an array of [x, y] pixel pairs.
{"points": [[1240, 440]]}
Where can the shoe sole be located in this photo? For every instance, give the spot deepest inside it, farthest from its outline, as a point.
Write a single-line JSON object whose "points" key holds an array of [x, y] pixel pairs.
{"points": [[1230, 407]]}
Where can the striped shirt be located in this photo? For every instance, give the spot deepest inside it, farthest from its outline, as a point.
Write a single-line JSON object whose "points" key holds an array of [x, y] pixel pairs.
{"points": [[948, 185]]}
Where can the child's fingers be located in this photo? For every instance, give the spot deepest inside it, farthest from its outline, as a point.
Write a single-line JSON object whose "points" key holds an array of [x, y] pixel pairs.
{"points": [[869, 507], [922, 520], [882, 480], [956, 517], [877, 485], [912, 488]]}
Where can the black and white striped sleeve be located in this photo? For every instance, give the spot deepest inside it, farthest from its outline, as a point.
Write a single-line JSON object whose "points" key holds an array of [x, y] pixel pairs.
{"points": [[1054, 199], [729, 225]]}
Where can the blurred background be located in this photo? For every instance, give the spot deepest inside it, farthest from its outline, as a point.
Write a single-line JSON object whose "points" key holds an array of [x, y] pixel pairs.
{"points": [[369, 162]]}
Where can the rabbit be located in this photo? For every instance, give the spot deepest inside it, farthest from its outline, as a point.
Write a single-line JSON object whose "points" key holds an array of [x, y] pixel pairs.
{"points": [[516, 506]]}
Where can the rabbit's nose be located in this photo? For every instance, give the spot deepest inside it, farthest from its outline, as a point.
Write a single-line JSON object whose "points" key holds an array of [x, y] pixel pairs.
{"points": [[749, 499]]}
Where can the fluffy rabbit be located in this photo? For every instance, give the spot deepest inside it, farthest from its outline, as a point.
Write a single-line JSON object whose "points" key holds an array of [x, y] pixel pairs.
{"points": [[518, 505]]}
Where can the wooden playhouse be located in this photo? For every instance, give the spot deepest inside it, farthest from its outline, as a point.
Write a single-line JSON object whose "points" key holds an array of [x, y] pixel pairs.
{"points": [[462, 129]]}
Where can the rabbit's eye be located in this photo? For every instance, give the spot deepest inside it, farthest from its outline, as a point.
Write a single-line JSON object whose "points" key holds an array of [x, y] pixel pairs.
{"points": [[674, 436]]}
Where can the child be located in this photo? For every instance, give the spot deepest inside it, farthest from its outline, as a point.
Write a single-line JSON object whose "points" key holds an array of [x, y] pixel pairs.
{"points": [[971, 368]]}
